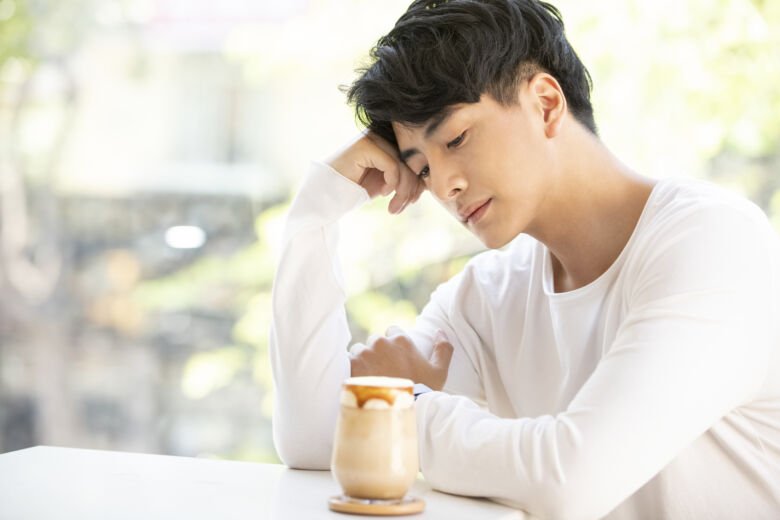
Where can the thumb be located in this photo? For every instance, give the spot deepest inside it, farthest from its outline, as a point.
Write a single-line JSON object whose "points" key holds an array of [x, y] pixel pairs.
{"points": [[442, 351]]}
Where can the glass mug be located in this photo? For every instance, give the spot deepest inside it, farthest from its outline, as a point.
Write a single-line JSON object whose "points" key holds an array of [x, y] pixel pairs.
{"points": [[375, 446]]}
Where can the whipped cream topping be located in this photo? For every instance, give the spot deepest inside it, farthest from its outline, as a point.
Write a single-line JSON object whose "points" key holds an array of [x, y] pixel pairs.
{"points": [[377, 393]]}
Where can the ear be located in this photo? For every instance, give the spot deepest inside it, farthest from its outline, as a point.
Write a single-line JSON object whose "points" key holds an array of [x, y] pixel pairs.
{"points": [[550, 101]]}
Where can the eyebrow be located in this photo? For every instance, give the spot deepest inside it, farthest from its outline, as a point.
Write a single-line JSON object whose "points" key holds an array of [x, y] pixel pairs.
{"points": [[434, 124]]}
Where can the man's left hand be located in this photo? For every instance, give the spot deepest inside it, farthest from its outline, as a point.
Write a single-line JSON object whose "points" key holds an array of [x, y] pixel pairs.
{"points": [[394, 355]]}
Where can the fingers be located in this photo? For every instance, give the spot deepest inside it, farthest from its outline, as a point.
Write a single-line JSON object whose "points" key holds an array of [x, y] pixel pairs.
{"points": [[374, 183], [357, 367], [382, 143], [419, 191], [356, 349], [395, 355], [383, 174], [372, 339], [441, 356], [398, 337], [374, 159], [373, 163], [408, 187], [404, 191]]}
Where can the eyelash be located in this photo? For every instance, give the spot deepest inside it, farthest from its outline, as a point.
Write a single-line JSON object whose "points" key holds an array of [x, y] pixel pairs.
{"points": [[425, 172], [457, 141]]}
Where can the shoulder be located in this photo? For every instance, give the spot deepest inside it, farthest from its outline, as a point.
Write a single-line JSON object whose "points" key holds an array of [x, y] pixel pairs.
{"points": [[685, 202], [690, 215], [695, 232]]}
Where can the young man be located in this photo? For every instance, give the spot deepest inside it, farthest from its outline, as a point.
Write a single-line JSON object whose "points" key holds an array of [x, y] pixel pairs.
{"points": [[619, 358]]}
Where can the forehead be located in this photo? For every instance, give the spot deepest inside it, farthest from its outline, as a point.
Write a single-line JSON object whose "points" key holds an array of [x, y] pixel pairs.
{"points": [[405, 133], [428, 128], [485, 107]]}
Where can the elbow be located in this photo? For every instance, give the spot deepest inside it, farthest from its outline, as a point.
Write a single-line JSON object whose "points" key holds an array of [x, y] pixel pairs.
{"points": [[566, 484], [297, 460], [298, 455], [300, 448], [561, 506], [548, 501], [574, 498]]}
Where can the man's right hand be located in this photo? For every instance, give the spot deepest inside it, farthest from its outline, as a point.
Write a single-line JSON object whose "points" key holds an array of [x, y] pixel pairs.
{"points": [[373, 163]]}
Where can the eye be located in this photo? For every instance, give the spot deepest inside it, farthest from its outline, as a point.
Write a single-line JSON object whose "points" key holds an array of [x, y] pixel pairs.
{"points": [[457, 141], [424, 173]]}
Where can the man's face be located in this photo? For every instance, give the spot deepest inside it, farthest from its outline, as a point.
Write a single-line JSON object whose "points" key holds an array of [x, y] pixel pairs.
{"points": [[489, 165]]}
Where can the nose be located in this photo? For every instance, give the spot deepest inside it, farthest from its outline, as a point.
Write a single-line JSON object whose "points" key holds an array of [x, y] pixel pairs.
{"points": [[447, 180]]}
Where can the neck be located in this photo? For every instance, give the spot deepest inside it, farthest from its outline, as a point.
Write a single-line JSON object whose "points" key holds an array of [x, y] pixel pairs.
{"points": [[591, 209]]}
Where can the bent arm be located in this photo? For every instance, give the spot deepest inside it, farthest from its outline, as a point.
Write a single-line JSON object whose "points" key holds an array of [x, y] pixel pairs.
{"points": [[309, 331], [693, 347]]}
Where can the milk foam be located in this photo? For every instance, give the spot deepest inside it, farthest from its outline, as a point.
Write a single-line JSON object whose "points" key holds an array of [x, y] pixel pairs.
{"points": [[381, 381], [396, 389]]}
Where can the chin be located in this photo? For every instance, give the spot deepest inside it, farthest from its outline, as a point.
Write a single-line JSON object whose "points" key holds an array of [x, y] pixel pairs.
{"points": [[494, 242]]}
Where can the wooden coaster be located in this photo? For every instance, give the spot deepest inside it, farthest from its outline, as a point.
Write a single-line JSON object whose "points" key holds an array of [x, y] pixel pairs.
{"points": [[405, 506]]}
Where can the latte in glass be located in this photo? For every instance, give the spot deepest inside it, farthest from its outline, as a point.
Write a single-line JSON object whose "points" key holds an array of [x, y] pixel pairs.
{"points": [[375, 446]]}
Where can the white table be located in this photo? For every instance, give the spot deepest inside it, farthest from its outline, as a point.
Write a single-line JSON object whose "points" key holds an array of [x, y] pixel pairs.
{"points": [[46, 483]]}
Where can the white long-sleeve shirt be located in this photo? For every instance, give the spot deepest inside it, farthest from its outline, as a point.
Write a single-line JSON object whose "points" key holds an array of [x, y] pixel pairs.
{"points": [[652, 392]]}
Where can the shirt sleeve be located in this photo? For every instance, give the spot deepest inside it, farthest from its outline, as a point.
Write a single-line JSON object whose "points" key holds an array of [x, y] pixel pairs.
{"points": [[309, 331], [693, 346], [463, 377]]}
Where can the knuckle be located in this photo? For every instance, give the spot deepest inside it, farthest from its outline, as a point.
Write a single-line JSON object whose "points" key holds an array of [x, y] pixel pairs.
{"points": [[402, 341], [357, 366], [369, 356]]}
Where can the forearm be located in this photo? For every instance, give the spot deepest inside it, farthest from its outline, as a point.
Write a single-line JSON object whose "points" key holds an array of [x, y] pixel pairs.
{"points": [[692, 346], [309, 332], [467, 451], [556, 467], [663, 385]]}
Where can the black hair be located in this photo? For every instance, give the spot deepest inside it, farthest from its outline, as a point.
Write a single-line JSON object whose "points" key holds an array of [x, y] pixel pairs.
{"points": [[444, 52]]}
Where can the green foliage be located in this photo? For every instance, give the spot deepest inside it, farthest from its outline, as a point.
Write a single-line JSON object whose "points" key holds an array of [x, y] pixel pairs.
{"points": [[679, 88], [15, 31], [206, 372], [687, 88], [218, 282], [374, 311], [711, 68]]}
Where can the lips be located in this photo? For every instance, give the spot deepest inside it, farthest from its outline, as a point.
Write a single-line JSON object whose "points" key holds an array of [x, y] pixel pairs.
{"points": [[474, 211]]}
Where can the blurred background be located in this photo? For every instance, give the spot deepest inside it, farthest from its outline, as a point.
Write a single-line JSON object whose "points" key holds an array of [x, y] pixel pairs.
{"points": [[149, 150]]}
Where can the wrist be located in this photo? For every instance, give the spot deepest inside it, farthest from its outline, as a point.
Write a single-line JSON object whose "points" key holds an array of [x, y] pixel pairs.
{"points": [[344, 167]]}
